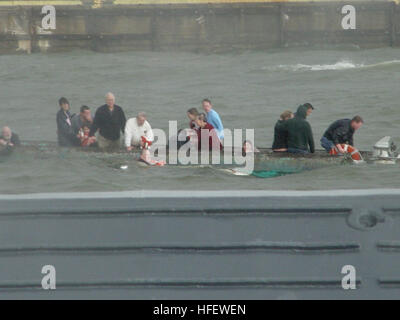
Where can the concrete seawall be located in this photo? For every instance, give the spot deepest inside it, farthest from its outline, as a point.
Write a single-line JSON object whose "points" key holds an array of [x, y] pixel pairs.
{"points": [[106, 25]]}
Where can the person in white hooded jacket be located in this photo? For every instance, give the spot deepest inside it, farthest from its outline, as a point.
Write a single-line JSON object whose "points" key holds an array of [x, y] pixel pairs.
{"points": [[135, 128]]}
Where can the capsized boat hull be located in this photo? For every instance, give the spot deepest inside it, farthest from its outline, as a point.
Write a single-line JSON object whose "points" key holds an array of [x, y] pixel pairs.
{"points": [[264, 160], [263, 154]]}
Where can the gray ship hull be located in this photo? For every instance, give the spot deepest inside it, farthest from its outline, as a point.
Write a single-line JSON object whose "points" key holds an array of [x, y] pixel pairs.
{"points": [[202, 245]]}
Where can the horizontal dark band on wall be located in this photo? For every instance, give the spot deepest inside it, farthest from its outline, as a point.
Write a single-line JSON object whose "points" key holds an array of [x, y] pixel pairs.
{"points": [[291, 247], [291, 35], [131, 36], [388, 245], [172, 10], [337, 33], [86, 37], [242, 212], [189, 283], [392, 211], [389, 282]]}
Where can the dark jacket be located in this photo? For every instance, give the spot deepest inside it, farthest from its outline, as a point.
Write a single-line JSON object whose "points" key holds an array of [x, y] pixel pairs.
{"points": [[109, 124], [280, 136], [14, 139], [66, 136], [340, 132], [299, 131], [77, 123]]}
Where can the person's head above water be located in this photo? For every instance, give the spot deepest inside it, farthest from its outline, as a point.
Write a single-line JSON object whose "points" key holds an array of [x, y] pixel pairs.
{"points": [[201, 120], [110, 99], [192, 113], [141, 118], [6, 133], [247, 147], [207, 106], [286, 115], [357, 122], [64, 104]]}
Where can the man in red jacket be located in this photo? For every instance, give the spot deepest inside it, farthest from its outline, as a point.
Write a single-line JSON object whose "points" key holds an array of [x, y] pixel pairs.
{"points": [[207, 130]]}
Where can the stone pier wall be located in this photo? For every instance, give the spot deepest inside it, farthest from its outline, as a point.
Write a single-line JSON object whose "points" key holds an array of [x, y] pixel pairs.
{"points": [[193, 25]]}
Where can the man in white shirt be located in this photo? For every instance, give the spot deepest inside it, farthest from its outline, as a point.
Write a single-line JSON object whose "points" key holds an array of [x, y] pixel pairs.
{"points": [[135, 128]]}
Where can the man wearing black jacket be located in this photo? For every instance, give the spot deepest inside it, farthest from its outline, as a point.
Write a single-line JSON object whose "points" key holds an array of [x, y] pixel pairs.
{"points": [[341, 132], [66, 136], [110, 121]]}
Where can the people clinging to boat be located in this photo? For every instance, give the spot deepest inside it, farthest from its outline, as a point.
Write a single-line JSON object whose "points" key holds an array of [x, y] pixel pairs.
{"points": [[206, 131], [340, 133], [110, 120], [213, 118], [192, 113], [83, 118], [9, 138], [280, 143], [65, 134], [300, 137], [135, 129]]}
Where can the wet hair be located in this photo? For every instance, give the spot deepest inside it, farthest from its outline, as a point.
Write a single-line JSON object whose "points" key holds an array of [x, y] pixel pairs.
{"points": [[308, 105], [286, 114], [206, 100], [202, 116], [193, 111], [357, 119], [84, 108], [247, 141], [62, 101], [243, 147]]}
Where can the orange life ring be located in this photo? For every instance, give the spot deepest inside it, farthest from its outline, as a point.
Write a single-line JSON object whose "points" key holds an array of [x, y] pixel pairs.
{"points": [[354, 153]]}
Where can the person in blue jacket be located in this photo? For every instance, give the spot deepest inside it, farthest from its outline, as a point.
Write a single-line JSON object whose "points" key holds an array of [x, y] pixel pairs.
{"points": [[213, 118]]}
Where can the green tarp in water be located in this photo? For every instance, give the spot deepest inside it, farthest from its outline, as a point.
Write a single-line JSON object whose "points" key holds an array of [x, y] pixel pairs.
{"points": [[270, 173]]}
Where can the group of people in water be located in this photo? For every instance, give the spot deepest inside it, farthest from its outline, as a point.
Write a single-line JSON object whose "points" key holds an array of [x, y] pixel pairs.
{"points": [[109, 122], [292, 132]]}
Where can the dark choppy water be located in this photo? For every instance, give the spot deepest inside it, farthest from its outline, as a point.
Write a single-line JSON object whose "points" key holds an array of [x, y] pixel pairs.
{"points": [[249, 90]]}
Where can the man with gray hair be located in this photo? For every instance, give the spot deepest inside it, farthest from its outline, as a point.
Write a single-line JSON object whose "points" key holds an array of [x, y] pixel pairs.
{"points": [[8, 141], [110, 121], [135, 129], [9, 138]]}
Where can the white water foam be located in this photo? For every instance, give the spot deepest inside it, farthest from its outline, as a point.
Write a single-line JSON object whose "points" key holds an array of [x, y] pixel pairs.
{"points": [[340, 65]]}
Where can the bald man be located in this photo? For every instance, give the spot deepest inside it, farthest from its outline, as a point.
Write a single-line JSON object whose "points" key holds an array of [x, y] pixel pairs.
{"points": [[8, 138], [110, 121], [136, 128]]}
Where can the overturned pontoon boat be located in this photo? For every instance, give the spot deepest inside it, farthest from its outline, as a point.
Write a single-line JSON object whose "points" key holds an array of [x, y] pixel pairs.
{"points": [[384, 151]]}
